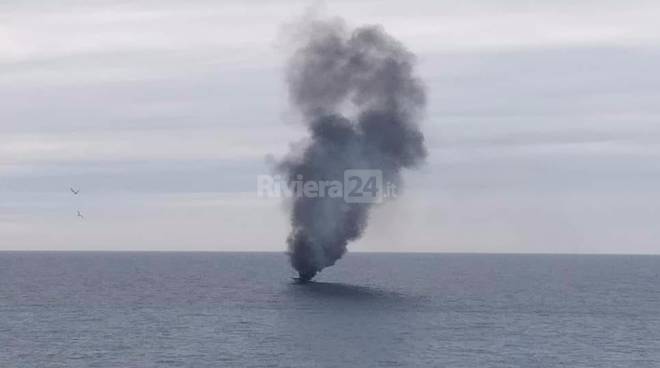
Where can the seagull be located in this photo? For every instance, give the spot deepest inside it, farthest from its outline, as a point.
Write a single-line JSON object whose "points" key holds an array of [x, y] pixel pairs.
{"points": [[74, 191], [80, 215]]}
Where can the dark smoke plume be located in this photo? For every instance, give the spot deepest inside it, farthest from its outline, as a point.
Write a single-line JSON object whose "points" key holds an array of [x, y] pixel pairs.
{"points": [[361, 102]]}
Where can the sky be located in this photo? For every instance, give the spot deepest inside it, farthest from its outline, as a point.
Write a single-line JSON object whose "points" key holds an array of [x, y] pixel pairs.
{"points": [[542, 125]]}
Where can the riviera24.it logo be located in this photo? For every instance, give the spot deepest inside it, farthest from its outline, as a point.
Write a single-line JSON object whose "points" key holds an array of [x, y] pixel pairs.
{"points": [[357, 186]]}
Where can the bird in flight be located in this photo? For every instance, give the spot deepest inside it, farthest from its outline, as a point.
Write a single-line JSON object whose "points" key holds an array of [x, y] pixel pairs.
{"points": [[80, 215], [74, 191]]}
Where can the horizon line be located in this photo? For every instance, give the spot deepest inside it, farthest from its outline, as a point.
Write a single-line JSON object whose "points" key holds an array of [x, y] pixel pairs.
{"points": [[284, 252]]}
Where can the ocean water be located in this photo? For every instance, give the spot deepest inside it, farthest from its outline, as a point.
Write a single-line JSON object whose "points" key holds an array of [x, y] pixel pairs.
{"points": [[370, 310]]}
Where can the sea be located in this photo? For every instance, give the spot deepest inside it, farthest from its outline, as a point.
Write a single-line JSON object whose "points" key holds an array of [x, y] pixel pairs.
{"points": [[132, 309]]}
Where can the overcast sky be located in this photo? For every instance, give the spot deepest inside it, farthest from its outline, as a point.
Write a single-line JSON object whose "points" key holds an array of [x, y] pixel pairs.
{"points": [[542, 123]]}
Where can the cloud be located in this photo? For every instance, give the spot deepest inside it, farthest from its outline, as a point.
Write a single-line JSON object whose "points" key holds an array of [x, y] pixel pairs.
{"points": [[542, 122]]}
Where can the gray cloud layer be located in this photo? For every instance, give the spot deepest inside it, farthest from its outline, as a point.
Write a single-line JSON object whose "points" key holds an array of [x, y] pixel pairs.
{"points": [[542, 124]]}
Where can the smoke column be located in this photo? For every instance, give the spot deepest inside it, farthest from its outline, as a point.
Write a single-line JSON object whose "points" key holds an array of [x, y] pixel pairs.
{"points": [[361, 103]]}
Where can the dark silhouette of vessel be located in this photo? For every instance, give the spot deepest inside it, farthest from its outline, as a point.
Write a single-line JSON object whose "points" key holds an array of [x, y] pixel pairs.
{"points": [[304, 277]]}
